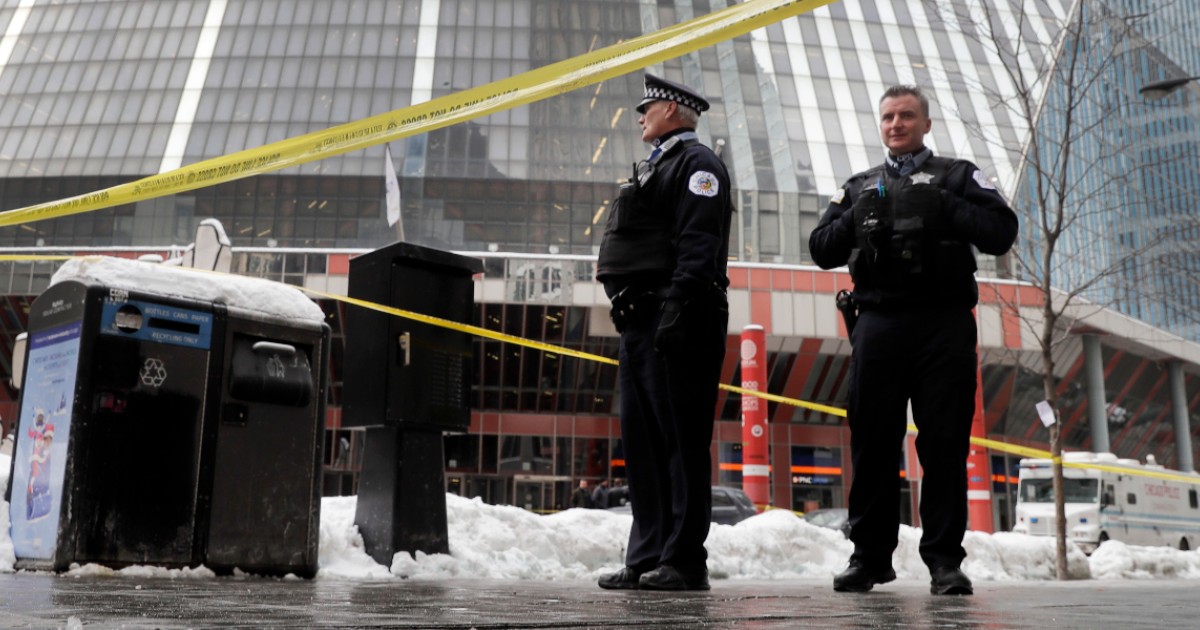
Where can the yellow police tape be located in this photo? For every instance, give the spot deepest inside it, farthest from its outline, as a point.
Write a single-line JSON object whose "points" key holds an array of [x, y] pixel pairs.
{"points": [[1170, 476], [1034, 453], [551, 80], [994, 445], [1015, 449], [520, 341], [460, 327]]}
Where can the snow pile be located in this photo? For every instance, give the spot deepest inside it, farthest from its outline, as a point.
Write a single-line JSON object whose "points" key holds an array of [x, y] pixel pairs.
{"points": [[254, 296]]}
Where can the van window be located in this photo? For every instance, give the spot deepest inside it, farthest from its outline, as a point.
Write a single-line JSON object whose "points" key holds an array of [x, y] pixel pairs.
{"points": [[1192, 499], [1075, 490], [1131, 498]]}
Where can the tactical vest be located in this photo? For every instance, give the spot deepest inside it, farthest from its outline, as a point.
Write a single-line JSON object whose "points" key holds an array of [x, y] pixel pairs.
{"points": [[903, 242], [639, 237]]}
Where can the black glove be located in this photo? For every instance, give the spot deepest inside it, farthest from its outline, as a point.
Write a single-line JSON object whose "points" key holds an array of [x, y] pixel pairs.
{"points": [[621, 310], [618, 319], [868, 202], [672, 333], [950, 203]]}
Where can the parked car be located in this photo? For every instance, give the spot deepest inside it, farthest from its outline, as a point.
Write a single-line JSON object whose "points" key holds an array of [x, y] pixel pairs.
{"points": [[729, 505], [832, 518]]}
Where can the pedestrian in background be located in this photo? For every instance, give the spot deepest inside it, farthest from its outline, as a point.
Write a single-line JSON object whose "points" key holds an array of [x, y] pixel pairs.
{"points": [[663, 263], [581, 498], [906, 228], [600, 495]]}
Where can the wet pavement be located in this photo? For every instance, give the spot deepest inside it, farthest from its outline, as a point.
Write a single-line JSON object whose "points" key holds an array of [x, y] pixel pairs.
{"points": [[38, 600]]}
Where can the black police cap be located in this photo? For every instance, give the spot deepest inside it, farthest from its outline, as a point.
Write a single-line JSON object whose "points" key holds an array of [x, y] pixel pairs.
{"points": [[658, 89]]}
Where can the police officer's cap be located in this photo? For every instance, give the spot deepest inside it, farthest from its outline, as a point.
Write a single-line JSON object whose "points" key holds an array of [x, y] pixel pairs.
{"points": [[663, 90]]}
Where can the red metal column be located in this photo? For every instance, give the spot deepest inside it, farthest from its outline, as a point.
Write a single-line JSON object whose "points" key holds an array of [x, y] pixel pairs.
{"points": [[979, 468], [756, 468]]}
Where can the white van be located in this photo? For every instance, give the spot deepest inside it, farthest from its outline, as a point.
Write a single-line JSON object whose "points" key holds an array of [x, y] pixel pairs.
{"points": [[1109, 498]]}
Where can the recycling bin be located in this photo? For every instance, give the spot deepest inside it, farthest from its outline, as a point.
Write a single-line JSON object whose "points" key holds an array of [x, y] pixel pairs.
{"points": [[265, 510], [167, 431], [407, 382]]}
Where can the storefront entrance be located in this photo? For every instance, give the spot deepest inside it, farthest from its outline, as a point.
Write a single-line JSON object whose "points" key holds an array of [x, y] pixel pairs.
{"points": [[808, 497], [541, 493]]}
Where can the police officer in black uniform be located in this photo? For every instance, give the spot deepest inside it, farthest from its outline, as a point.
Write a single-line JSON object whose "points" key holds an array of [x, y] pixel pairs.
{"points": [[663, 262], [905, 228]]}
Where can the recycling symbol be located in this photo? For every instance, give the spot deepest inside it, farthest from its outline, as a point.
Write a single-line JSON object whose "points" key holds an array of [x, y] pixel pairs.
{"points": [[153, 372], [275, 367]]}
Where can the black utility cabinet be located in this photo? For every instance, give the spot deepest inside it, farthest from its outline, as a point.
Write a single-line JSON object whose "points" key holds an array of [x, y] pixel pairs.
{"points": [[407, 381]]}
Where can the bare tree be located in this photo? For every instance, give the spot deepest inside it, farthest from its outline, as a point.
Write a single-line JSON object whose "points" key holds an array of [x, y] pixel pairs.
{"points": [[1056, 83]]}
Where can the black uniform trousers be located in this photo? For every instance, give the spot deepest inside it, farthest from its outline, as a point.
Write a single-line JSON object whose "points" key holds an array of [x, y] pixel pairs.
{"points": [[928, 356], [668, 403]]}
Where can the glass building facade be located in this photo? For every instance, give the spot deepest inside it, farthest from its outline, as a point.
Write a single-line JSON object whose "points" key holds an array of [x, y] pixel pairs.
{"points": [[1125, 169], [97, 93]]}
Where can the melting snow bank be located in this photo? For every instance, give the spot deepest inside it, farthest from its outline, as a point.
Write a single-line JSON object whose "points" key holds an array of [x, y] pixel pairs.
{"points": [[509, 543], [505, 542], [255, 297]]}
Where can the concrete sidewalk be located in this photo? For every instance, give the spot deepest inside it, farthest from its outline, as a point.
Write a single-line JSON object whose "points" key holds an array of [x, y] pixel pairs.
{"points": [[34, 600]]}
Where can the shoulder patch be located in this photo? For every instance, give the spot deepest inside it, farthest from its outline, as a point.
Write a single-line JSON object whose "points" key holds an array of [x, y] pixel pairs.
{"points": [[838, 197], [982, 180], [704, 184]]}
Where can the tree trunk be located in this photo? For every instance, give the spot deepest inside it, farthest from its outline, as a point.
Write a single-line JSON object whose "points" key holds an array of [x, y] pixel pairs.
{"points": [[1060, 511], [1049, 387]]}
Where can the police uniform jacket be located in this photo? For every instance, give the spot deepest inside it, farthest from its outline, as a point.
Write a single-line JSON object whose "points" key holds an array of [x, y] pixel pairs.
{"points": [[907, 238], [670, 228]]}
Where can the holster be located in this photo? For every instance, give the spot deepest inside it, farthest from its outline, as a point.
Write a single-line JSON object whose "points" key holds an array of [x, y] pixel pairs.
{"points": [[849, 310], [635, 302]]}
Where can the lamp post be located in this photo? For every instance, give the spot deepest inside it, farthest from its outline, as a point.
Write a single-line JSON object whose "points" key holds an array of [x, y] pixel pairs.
{"points": [[1160, 89]]}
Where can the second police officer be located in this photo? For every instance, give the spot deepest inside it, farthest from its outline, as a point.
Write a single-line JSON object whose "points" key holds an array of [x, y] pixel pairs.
{"points": [[906, 228], [663, 264]]}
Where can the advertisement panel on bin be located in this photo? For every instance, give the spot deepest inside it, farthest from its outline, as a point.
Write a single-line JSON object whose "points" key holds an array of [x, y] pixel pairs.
{"points": [[40, 459]]}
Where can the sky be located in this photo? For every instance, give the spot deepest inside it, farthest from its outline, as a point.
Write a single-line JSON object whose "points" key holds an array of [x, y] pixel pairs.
{"points": [[510, 543]]}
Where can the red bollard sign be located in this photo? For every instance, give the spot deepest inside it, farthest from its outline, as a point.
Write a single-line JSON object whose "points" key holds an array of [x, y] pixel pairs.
{"points": [[756, 469], [979, 468]]}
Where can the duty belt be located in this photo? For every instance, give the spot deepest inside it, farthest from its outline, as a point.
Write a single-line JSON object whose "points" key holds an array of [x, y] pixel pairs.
{"points": [[634, 301]]}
